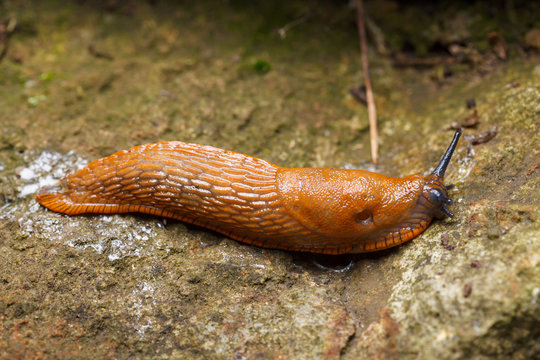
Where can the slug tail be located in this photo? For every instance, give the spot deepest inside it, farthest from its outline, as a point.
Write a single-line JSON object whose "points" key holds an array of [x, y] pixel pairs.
{"points": [[443, 164], [55, 200]]}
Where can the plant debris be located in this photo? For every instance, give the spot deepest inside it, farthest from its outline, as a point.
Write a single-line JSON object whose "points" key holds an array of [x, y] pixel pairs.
{"points": [[482, 138], [99, 54]]}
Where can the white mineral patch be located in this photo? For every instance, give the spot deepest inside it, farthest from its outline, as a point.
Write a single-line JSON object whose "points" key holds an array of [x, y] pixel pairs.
{"points": [[46, 169], [27, 174], [466, 164], [116, 236], [140, 306]]}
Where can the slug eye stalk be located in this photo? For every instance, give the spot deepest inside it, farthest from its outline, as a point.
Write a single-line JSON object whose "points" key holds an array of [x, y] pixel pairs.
{"points": [[437, 196], [443, 164]]}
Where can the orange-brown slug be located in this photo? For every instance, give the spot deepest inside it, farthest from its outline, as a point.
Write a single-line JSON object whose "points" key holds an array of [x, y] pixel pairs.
{"points": [[332, 211]]}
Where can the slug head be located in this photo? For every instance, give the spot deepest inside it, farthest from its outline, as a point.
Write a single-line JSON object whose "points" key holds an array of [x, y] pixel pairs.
{"points": [[435, 192], [437, 198]]}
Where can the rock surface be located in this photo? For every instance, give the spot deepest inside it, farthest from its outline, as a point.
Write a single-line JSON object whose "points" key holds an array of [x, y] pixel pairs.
{"points": [[81, 81]]}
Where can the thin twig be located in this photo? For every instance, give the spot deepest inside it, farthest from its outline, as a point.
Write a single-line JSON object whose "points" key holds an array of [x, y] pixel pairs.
{"points": [[377, 36], [99, 54], [6, 30], [372, 111], [282, 31]]}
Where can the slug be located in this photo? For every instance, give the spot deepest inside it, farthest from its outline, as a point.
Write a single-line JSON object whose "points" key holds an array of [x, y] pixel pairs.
{"points": [[320, 210]]}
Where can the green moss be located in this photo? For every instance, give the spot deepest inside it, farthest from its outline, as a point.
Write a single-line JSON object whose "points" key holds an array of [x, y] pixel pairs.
{"points": [[261, 67]]}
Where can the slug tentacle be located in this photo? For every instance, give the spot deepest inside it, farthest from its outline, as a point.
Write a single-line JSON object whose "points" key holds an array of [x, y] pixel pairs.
{"points": [[330, 211], [445, 160]]}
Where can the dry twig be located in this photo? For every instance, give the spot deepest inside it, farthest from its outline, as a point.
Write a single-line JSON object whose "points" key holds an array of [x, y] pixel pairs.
{"points": [[372, 111], [6, 30]]}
